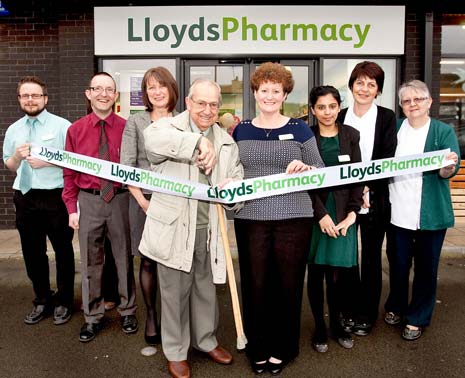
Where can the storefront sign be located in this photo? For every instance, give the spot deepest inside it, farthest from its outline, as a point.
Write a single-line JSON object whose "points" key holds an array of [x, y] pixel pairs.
{"points": [[251, 30]]}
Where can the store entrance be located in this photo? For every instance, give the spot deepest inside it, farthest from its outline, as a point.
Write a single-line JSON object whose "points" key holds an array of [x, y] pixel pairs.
{"points": [[234, 78]]}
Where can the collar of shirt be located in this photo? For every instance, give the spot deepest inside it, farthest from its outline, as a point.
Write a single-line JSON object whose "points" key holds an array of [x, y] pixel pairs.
{"points": [[95, 119], [195, 129], [41, 117], [372, 111]]}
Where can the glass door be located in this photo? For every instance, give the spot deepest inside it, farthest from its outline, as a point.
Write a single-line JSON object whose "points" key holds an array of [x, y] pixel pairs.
{"points": [[234, 78], [230, 76]]}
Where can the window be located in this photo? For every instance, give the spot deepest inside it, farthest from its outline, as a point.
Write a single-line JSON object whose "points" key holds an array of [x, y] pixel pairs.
{"points": [[452, 95], [336, 72], [128, 74]]}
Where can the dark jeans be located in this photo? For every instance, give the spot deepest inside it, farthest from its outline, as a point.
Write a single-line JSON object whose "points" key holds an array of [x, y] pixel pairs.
{"points": [[272, 259], [41, 214], [424, 248]]}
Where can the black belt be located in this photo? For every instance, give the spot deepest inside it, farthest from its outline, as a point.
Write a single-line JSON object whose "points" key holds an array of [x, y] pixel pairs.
{"points": [[97, 192]]}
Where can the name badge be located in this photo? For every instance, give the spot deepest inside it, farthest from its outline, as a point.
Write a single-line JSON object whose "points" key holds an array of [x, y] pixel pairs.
{"points": [[48, 137], [286, 137], [343, 158]]}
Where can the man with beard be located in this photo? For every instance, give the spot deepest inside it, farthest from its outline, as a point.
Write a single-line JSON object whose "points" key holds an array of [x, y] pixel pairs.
{"points": [[40, 211]]}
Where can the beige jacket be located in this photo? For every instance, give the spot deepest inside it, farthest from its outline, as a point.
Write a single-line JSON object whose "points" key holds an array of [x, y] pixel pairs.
{"points": [[169, 232]]}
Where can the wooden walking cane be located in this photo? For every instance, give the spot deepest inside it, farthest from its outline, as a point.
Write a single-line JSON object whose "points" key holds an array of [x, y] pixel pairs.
{"points": [[241, 339]]}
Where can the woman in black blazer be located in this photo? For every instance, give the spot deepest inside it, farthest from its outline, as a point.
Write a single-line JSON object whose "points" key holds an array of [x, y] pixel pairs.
{"points": [[378, 140]]}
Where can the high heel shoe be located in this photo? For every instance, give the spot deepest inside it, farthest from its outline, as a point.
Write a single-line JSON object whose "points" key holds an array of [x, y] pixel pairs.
{"points": [[259, 367], [152, 340]]}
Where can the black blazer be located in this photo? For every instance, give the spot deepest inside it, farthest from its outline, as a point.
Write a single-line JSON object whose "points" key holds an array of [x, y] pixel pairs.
{"points": [[384, 146], [347, 197]]}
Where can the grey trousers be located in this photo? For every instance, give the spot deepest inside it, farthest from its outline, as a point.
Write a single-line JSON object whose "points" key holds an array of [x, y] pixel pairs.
{"points": [[97, 220], [189, 306]]}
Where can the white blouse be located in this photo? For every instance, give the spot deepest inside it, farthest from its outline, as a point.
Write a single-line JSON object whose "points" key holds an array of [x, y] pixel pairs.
{"points": [[366, 125], [405, 191]]}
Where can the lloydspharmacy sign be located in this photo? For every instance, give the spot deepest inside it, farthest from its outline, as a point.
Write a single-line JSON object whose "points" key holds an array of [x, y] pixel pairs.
{"points": [[249, 189], [255, 30]]}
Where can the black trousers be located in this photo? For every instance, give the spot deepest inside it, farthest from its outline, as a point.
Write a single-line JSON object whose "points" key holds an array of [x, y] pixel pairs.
{"points": [[336, 296], [272, 260], [367, 282], [41, 214]]}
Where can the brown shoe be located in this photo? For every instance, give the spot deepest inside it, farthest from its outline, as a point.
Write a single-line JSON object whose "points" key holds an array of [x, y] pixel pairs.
{"points": [[179, 369], [220, 355], [109, 306]]}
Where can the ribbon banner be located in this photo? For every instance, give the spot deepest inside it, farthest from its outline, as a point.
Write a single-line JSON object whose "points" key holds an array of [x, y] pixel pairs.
{"points": [[248, 189]]}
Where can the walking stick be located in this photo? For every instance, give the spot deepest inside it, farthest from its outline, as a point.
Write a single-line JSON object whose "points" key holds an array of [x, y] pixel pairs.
{"points": [[241, 339]]}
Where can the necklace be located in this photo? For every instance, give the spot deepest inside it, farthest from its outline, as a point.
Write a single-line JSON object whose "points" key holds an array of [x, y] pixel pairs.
{"points": [[267, 132]]}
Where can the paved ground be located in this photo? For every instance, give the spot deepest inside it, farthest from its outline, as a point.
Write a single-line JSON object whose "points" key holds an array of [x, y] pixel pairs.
{"points": [[45, 350]]}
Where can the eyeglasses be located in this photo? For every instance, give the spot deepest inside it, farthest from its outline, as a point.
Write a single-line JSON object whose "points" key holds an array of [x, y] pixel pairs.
{"points": [[34, 96], [100, 90], [416, 101], [203, 104]]}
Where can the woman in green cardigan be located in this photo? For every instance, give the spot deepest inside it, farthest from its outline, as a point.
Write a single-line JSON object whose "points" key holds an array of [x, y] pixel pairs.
{"points": [[421, 212]]}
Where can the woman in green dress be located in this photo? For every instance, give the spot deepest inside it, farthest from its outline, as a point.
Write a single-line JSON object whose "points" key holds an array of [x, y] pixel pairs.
{"points": [[334, 242]]}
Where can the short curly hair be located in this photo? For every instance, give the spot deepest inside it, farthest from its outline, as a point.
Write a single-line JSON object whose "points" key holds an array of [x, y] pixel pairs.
{"points": [[272, 72]]}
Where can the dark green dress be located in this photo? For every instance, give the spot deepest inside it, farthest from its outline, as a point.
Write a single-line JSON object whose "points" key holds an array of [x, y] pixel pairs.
{"points": [[324, 249]]}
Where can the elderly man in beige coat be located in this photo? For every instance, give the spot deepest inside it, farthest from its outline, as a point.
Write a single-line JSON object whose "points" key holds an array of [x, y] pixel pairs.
{"points": [[183, 234]]}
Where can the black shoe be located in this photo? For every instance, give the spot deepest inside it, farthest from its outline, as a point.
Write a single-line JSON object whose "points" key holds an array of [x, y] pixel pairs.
{"points": [[37, 314], [152, 340], [129, 324], [275, 368], [259, 367], [61, 315], [362, 328], [89, 331], [347, 324]]}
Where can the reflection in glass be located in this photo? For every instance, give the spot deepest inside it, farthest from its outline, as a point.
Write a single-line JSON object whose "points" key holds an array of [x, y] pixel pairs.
{"points": [[296, 104], [230, 78], [452, 105], [336, 72], [128, 74]]}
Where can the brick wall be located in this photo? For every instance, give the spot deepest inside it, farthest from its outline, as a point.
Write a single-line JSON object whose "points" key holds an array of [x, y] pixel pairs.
{"points": [[39, 38], [413, 61]]}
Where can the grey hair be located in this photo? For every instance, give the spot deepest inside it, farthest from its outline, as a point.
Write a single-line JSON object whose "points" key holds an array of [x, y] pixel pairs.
{"points": [[415, 85], [203, 80]]}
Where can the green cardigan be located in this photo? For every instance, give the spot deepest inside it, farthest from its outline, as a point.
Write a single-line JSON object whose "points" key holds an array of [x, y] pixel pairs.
{"points": [[436, 205]]}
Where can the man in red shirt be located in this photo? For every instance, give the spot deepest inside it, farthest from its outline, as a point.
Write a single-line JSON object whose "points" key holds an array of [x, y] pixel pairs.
{"points": [[103, 208]]}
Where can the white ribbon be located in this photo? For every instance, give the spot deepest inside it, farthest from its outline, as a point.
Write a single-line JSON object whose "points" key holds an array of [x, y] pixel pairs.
{"points": [[249, 189]]}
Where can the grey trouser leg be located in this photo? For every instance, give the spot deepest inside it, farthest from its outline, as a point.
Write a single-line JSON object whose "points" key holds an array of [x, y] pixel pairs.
{"points": [[189, 307], [98, 219]]}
